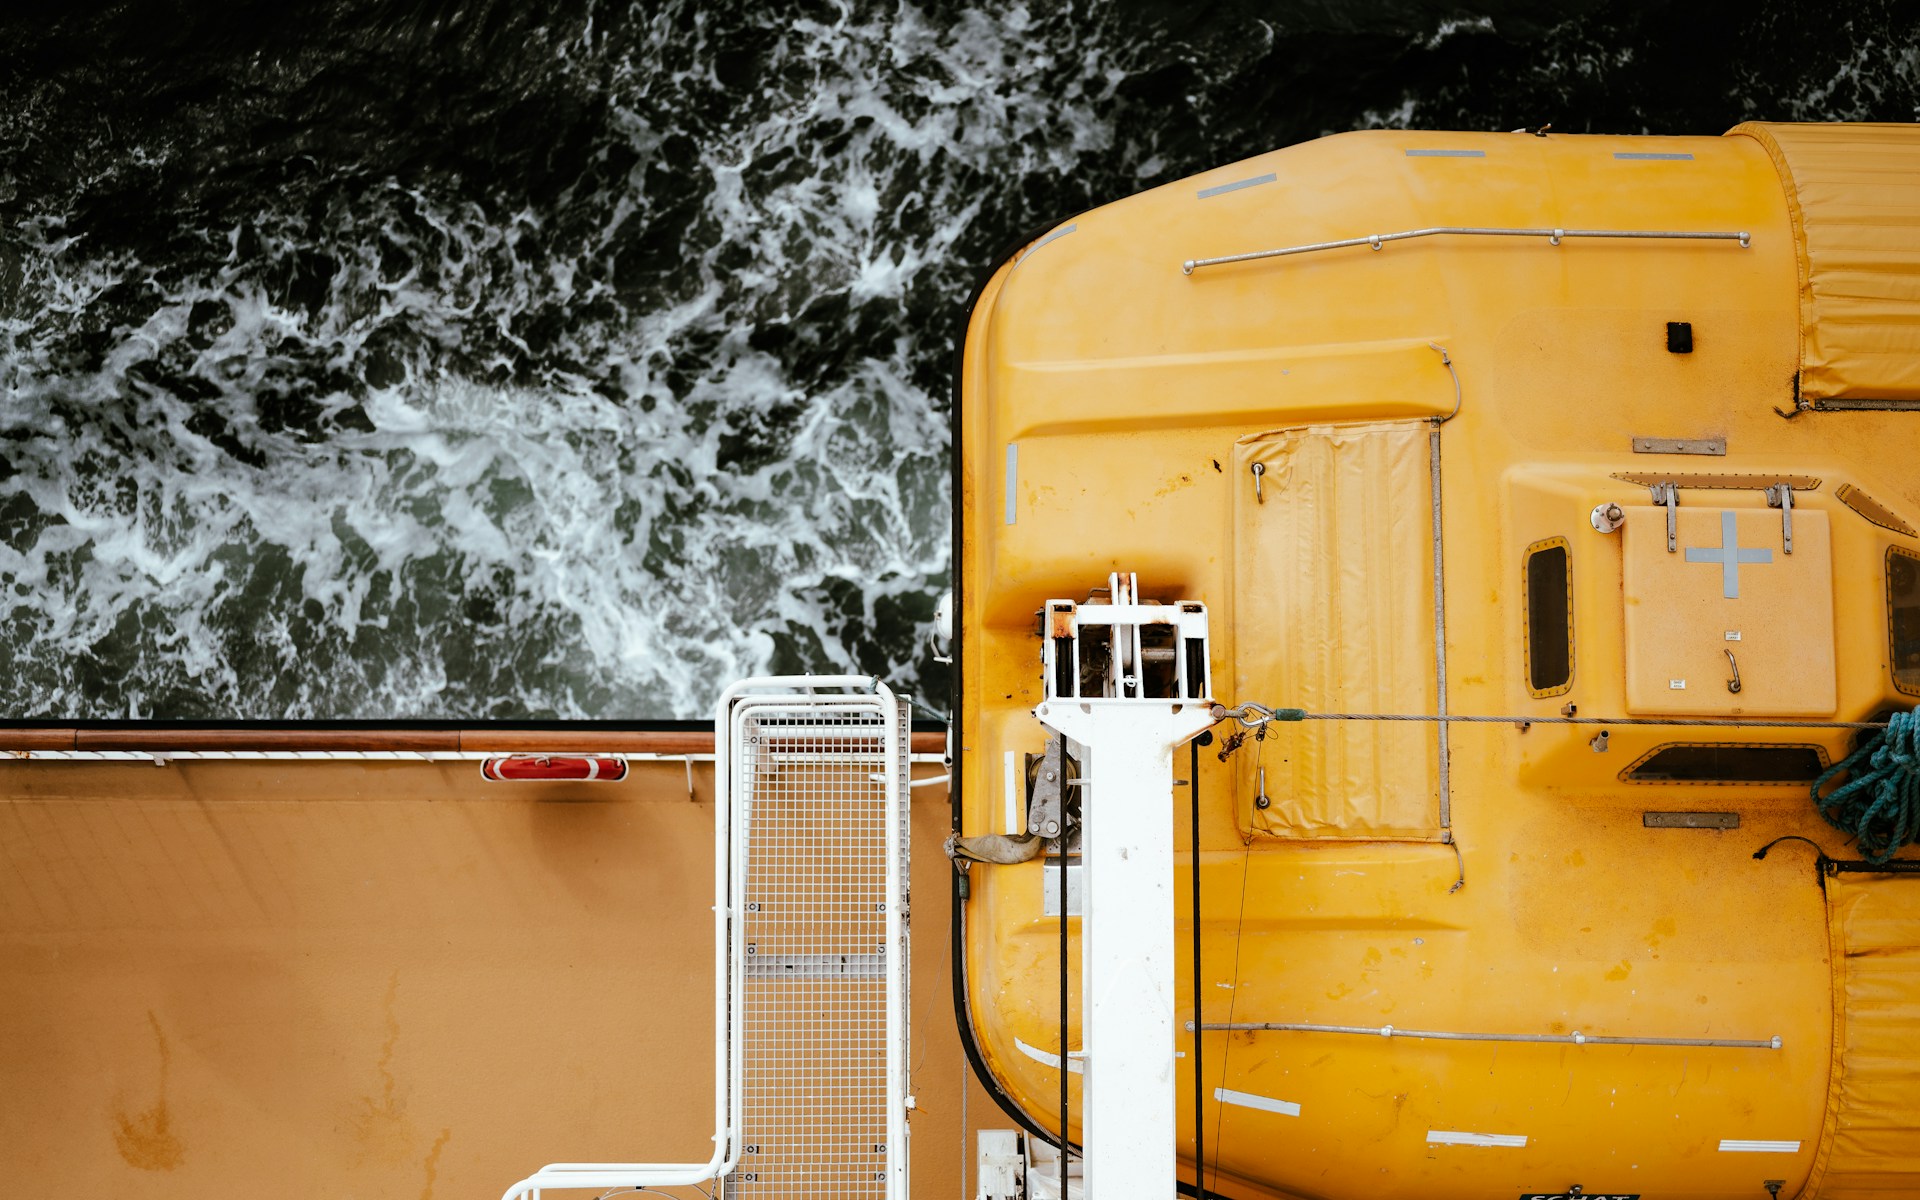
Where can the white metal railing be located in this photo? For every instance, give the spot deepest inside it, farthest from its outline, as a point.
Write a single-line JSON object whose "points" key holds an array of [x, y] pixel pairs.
{"points": [[815, 803]]}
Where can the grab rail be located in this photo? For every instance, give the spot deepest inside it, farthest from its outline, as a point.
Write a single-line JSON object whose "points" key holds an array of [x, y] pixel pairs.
{"points": [[1575, 1038], [1553, 236]]}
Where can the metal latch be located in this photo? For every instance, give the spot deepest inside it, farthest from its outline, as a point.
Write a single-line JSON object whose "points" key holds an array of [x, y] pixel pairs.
{"points": [[1668, 495], [1780, 496]]}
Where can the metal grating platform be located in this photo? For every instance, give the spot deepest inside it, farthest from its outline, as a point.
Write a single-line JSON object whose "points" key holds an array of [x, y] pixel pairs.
{"points": [[810, 909], [820, 852]]}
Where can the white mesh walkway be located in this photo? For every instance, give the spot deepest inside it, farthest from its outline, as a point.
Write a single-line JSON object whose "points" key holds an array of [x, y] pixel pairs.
{"points": [[821, 840], [810, 938]]}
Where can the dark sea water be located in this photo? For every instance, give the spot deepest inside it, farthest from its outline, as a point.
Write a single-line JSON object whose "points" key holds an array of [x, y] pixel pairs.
{"points": [[495, 360]]}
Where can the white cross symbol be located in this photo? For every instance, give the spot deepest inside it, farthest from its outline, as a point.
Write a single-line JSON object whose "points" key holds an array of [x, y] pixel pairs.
{"points": [[1729, 554]]}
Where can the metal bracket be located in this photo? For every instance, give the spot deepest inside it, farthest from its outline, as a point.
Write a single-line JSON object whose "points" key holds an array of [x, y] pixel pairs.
{"points": [[1667, 495], [1780, 496], [1126, 648], [1690, 820], [1660, 445], [1046, 814]]}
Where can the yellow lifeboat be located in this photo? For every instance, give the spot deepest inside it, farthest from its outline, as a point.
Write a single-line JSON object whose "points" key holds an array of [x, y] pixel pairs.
{"points": [[1603, 448]]}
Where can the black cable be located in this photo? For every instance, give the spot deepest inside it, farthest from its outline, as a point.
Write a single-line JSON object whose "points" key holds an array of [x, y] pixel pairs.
{"points": [[1064, 1060], [1199, 1087], [1825, 865], [1791, 837]]}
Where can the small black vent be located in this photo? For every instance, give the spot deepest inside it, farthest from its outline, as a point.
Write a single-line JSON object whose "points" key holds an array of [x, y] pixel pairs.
{"points": [[1903, 618], [1728, 762], [1680, 337], [1549, 618]]}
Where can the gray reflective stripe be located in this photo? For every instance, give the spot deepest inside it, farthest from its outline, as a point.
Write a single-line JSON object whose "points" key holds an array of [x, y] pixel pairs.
{"points": [[1236, 185], [1743, 1146], [1456, 1137], [1446, 154], [1729, 554], [1653, 155], [1076, 1060], [1013, 476], [1285, 1108], [1056, 234]]}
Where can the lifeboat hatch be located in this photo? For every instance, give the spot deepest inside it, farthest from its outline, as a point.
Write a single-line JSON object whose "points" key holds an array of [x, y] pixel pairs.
{"points": [[1333, 566], [1721, 619]]}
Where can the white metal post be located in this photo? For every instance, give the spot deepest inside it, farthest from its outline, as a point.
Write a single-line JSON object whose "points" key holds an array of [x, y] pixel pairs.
{"points": [[1126, 936], [1128, 701], [899, 1100]]}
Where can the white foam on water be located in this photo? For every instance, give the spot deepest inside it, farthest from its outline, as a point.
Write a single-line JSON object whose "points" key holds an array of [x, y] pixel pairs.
{"points": [[440, 528]]}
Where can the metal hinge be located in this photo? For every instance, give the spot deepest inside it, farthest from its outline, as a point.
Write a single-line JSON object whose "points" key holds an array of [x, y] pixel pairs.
{"points": [[1668, 495]]}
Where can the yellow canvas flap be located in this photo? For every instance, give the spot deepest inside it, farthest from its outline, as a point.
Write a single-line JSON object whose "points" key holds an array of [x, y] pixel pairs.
{"points": [[1853, 192], [1334, 561], [1871, 1145]]}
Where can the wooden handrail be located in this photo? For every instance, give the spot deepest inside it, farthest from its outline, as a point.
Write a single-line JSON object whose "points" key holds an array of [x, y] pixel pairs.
{"points": [[503, 740]]}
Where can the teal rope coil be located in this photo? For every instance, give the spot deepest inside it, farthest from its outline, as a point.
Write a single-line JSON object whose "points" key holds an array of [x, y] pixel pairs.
{"points": [[1879, 804]]}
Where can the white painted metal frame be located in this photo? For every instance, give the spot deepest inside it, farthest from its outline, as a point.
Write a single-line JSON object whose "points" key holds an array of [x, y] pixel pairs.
{"points": [[881, 705], [1127, 742], [792, 695]]}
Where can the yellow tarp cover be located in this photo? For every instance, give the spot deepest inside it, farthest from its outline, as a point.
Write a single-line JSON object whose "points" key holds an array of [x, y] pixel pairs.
{"points": [[1334, 566], [1853, 192], [1871, 1147]]}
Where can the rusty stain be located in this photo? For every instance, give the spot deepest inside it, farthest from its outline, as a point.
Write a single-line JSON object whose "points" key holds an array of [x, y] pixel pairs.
{"points": [[1233, 742], [1060, 622], [146, 1139], [381, 1126], [433, 1163]]}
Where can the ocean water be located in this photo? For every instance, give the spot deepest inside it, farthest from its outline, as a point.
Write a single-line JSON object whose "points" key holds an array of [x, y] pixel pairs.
{"points": [[498, 360]]}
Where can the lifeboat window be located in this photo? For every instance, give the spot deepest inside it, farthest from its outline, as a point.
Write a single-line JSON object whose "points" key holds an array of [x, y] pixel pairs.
{"points": [[1903, 618], [1549, 617], [1728, 762]]}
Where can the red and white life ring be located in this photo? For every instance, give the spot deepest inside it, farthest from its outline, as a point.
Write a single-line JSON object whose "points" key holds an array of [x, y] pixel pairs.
{"points": [[516, 768]]}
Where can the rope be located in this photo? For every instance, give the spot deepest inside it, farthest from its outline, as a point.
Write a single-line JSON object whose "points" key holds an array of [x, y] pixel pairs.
{"points": [[1879, 804], [1256, 715]]}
